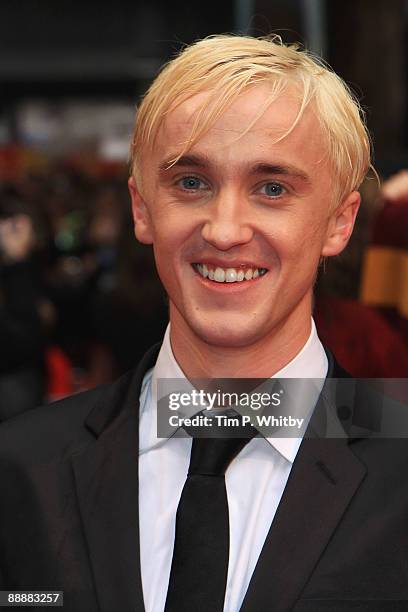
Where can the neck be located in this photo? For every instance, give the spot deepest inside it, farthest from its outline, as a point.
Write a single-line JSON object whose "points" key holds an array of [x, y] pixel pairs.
{"points": [[262, 359]]}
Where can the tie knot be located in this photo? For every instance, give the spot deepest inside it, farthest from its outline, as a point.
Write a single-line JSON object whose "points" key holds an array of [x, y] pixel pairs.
{"points": [[212, 456]]}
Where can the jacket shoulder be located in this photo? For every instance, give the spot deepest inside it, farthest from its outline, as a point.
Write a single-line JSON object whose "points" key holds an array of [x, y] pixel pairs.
{"points": [[54, 430]]}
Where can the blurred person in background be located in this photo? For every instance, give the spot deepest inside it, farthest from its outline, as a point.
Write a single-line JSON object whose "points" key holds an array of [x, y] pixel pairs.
{"points": [[66, 199], [384, 285], [127, 305], [369, 340], [26, 316], [111, 306]]}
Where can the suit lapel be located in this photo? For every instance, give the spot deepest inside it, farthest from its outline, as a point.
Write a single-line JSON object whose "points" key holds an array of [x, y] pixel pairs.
{"points": [[323, 480], [106, 478]]}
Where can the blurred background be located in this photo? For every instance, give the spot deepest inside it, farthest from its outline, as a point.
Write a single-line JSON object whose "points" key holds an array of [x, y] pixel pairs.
{"points": [[80, 301]]}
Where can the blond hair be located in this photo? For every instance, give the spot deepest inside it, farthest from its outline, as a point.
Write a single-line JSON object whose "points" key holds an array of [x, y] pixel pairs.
{"points": [[225, 65]]}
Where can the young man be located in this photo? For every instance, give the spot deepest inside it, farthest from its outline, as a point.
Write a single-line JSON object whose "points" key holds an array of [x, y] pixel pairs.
{"points": [[246, 160]]}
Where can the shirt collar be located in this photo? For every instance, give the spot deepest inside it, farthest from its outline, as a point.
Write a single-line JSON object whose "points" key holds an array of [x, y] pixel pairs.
{"points": [[310, 362]]}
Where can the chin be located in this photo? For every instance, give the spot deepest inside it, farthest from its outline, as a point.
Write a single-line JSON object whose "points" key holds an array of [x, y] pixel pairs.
{"points": [[230, 333]]}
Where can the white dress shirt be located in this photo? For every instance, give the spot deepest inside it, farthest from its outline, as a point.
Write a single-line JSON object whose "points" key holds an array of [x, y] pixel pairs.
{"points": [[255, 482]]}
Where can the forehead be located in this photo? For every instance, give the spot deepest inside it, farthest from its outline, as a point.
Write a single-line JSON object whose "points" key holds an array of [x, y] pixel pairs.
{"points": [[245, 108], [252, 124]]}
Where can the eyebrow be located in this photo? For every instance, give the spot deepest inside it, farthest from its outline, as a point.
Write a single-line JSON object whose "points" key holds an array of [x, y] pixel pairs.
{"points": [[282, 169], [197, 161], [259, 168]]}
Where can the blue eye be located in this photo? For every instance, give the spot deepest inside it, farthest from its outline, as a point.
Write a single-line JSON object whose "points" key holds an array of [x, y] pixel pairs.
{"points": [[191, 183], [273, 190]]}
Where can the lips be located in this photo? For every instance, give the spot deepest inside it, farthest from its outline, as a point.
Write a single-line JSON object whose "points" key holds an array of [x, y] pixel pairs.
{"points": [[228, 275]]}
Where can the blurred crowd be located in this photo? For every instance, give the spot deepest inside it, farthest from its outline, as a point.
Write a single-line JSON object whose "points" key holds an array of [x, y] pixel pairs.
{"points": [[80, 301]]}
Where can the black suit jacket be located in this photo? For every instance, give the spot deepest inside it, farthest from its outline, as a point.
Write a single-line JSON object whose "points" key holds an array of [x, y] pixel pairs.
{"points": [[69, 513]]}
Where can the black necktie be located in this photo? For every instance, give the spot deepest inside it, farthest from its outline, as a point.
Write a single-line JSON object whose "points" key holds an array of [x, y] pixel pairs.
{"points": [[201, 549]]}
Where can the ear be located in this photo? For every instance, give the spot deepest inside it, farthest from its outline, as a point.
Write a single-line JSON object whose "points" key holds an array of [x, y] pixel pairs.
{"points": [[141, 215], [341, 224]]}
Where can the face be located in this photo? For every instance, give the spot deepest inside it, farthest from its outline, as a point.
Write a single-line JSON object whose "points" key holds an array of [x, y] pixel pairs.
{"points": [[240, 222]]}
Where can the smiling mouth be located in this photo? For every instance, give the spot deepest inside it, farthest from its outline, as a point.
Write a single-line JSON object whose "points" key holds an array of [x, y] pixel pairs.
{"points": [[228, 275]]}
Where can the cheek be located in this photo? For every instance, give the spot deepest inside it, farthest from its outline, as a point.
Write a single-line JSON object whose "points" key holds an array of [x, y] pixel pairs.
{"points": [[165, 269], [299, 250], [292, 239], [171, 239], [174, 230], [170, 243], [311, 235]]}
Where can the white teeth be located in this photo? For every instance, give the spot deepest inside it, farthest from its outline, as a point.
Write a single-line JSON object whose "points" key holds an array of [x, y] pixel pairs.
{"points": [[230, 275], [219, 275]]}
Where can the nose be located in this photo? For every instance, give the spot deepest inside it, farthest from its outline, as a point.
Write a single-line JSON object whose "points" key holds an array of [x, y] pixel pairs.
{"points": [[228, 222]]}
